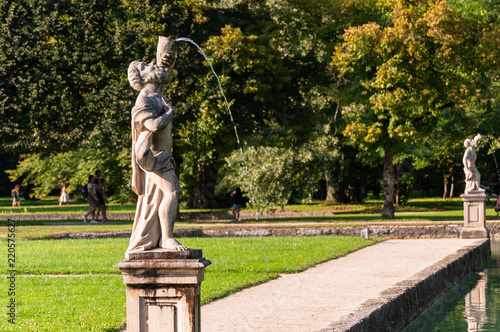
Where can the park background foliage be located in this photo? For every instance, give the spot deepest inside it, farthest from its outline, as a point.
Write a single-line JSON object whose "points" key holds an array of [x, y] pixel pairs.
{"points": [[330, 98]]}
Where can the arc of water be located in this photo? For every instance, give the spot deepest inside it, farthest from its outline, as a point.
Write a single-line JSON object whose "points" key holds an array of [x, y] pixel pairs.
{"points": [[230, 114]]}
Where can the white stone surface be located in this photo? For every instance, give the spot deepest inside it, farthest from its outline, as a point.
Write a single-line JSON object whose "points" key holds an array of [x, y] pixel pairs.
{"points": [[474, 216], [153, 167]]}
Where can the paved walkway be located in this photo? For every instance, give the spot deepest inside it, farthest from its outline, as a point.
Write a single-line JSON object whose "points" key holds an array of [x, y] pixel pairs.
{"points": [[320, 296]]}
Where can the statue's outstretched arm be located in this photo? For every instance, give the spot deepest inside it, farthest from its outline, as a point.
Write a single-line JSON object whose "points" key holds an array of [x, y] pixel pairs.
{"points": [[160, 122]]}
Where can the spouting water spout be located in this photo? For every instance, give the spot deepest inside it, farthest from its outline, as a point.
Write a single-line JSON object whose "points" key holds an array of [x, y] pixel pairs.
{"points": [[228, 110]]}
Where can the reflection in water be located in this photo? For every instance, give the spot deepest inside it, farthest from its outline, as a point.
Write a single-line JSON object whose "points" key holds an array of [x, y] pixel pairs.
{"points": [[475, 305], [450, 305], [472, 306]]}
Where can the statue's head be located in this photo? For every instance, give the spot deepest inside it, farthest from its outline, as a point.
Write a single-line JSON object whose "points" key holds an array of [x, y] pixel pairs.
{"points": [[135, 70], [140, 73], [467, 143], [155, 74]]}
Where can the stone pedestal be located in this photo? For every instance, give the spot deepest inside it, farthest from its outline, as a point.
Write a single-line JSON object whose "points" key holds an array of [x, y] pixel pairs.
{"points": [[474, 215], [163, 290]]}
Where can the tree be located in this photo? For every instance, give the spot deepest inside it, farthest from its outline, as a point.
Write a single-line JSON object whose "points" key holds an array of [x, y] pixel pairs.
{"points": [[263, 84], [45, 171], [272, 176], [59, 79], [64, 95], [403, 75]]}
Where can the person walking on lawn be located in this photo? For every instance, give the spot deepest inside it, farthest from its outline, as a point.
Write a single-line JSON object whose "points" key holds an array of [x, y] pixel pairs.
{"points": [[91, 199], [102, 200], [16, 200], [237, 203], [64, 198]]}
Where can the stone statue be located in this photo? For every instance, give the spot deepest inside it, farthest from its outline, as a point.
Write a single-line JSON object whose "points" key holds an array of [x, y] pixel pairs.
{"points": [[472, 176], [153, 167]]}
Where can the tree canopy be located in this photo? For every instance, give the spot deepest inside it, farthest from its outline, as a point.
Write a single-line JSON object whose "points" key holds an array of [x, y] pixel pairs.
{"points": [[407, 75], [331, 91]]}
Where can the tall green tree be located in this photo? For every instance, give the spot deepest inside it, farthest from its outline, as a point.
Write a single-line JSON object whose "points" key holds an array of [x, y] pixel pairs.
{"points": [[63, 84], [264, 84], [403, 75], [273, 176]]}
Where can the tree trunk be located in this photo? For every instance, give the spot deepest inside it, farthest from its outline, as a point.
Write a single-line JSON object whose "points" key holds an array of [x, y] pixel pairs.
{"points": [[445, 191], [398, 168], [337, 193], [330, 191], [388, 183], [335, 187], [452, 186], [203, 193]]}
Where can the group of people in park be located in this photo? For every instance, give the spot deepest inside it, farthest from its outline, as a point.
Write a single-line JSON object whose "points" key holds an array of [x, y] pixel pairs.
{"points": [[97, 199], [16, 199], [95, 194]]}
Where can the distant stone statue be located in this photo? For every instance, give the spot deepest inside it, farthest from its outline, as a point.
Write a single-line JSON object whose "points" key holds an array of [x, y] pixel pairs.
{"points": [[153, 167], [472, 175]]}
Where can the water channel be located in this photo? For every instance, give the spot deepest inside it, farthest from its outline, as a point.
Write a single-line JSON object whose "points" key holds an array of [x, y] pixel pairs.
{"points": [[473, 305]]}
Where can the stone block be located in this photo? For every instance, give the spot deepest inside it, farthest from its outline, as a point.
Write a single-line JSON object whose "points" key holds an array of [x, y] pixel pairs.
{"points": [[163, 290], [474, 215]]}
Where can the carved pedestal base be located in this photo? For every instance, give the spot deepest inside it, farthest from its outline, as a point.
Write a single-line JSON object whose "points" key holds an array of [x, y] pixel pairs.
{"points": [[163, 290], [474, 216]]}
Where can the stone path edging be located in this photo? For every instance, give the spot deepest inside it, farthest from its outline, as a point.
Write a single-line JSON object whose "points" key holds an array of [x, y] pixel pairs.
{"points": [[390, 232], [400, 305], [397, 232]]}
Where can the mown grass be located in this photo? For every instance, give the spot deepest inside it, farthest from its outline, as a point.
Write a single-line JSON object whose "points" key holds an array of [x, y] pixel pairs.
{"points": [[98, 256], [50, 205], [35, 230], [87, 292], [78, 303]]}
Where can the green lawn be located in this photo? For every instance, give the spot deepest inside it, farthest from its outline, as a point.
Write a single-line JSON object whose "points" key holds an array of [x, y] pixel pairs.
{"points": [[36, 230], [84, 292], [50, 205]]}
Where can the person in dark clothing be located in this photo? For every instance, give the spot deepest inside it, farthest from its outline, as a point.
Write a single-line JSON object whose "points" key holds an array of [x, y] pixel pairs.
{"points": [[237, 203], [16, 200], [101, 195]]}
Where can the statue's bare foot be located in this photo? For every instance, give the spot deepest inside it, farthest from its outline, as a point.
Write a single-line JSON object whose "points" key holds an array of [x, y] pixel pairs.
{"points": [[173, 244]]}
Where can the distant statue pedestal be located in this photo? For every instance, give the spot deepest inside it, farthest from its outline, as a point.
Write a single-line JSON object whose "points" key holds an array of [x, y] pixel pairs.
{"points": [[163, 289], [474, 215]]}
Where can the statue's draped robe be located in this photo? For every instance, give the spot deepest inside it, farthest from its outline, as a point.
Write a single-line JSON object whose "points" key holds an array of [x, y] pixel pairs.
{"points": [[153, 175], [472, 175]]}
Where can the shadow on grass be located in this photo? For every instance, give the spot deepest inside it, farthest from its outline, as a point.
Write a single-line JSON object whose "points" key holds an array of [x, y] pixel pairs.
{"points": [[121, 328], [435, 204]]}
